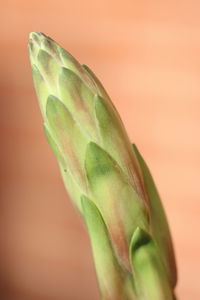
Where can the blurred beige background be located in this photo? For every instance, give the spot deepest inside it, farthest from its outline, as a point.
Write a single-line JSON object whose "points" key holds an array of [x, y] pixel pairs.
{"points": [[147, 55]]}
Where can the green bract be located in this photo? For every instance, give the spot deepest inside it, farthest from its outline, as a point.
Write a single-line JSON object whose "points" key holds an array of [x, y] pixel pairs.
{"points": [[106, 178]]}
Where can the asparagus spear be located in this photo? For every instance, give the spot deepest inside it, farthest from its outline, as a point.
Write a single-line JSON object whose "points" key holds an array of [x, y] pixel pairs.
{"points": [[105, 176]]}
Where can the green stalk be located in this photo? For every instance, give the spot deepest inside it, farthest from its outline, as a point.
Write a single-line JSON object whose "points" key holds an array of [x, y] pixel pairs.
{"points": [[107, 180]]}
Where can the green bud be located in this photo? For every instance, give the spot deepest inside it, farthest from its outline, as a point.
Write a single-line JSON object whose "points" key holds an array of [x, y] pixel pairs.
{"points": [[107, 181]]}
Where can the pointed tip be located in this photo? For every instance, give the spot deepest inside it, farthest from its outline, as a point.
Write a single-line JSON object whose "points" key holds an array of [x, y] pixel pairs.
{"points": [[52, 98], [94, 152], [68, 75], [140, 237], [134, 147], [36, 36], [52, 102], [53, 106], [85, 67], [38, 41], [97, 160], [43, 56], [92, 146], [33, 36]]}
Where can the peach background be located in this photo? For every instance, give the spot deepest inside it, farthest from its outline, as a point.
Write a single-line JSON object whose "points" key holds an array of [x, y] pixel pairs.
{"points": [[147, 55]]}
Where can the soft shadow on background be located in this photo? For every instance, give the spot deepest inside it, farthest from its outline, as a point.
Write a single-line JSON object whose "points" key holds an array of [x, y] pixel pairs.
{"points": [[146, 53]]}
